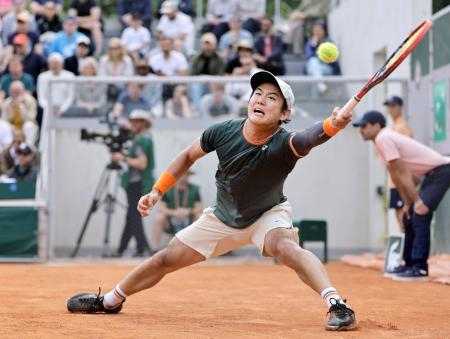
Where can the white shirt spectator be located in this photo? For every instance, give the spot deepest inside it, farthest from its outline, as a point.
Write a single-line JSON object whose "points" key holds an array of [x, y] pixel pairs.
{"points": [[252, 8], [5, 135], [133, 39], [222, 10], [62, 93], [172, 66], [182, 24]]}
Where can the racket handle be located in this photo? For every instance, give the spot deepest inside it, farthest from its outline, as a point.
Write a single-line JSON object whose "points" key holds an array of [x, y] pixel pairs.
{"points": [[349, 106]]}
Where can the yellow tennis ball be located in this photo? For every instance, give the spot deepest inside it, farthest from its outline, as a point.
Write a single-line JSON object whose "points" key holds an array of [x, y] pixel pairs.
{"points": [[328, 52]]}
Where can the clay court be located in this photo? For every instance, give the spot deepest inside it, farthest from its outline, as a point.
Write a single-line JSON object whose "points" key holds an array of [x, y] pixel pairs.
{"points": [[217, 301]]}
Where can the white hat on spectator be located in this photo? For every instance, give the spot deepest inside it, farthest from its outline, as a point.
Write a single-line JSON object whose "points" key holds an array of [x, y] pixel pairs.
{"points": [[247, 44], [140, 114], [83, 39], [168, 7]]}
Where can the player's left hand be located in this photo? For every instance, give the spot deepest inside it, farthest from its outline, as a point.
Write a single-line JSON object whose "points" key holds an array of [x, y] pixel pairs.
{"points": [[420, 208], [340, 120]]}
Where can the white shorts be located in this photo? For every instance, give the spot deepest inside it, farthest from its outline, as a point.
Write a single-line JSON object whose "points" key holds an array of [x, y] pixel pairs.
{"points": [[211, 237]]}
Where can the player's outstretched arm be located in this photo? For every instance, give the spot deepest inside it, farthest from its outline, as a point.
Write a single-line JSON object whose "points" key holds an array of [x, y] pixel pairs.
{"points": [[182, 162], [317, 134]]}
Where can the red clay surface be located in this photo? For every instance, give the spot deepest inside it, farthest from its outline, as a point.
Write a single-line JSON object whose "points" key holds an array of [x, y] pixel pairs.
{"points": [[231, 301]]}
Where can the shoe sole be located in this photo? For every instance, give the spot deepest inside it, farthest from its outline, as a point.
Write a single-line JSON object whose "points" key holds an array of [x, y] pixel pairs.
{"points": [[350, 327], [397, 278]]}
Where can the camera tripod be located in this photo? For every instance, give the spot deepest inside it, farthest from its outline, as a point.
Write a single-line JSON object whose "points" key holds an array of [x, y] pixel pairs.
{"points": [[103, 195]]}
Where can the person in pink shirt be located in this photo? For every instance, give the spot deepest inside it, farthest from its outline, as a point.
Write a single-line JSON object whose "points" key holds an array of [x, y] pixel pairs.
{"points": [[404, 158]]}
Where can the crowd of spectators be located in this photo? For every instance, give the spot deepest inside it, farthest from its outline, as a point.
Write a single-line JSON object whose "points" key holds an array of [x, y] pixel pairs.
{"points": [[40, 41]]}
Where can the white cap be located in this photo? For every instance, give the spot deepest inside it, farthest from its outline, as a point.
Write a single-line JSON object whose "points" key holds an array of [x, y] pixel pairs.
{"points": [[140, 114], [83, 39], [168, 7], [267, 77]]}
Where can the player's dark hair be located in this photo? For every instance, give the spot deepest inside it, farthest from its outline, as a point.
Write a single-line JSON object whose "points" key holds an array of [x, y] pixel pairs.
{"points": [[284, 108]]}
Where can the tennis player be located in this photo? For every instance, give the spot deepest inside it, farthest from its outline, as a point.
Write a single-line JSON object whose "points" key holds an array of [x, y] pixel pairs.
{"points": [[255, 157]]}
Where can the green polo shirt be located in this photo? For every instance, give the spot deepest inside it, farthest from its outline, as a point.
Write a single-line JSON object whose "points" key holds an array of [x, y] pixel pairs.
{"points": [[249, 177]]}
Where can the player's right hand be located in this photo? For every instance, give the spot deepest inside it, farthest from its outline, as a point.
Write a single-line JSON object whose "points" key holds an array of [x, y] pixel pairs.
{"points": [[147, 201]]}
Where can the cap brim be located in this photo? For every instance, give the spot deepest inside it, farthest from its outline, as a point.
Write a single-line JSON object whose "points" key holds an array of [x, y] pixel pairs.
{"points": [[360, 123]]}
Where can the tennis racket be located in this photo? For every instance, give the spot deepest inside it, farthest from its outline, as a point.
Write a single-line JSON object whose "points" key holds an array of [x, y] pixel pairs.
{"points": [[390, 65]]}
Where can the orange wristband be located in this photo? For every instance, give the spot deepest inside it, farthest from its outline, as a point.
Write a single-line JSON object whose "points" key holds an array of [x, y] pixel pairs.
{"points": [[165, 182], [328, 128]]}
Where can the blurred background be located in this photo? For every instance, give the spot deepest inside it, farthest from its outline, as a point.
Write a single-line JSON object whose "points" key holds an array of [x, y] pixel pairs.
{"points": [[177, 67]]}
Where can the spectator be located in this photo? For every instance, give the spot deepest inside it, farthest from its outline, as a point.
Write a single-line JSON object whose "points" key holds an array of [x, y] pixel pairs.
{"points": [[65, 41], [207, 62], [61, 93], [33, 63], [244, 49], [151, 91], [251, 12], [185, 6], [177, 26], [136, 38], [9, 21], [128, 7], [39, 7], [395, 106], [168, 63], [228, 42], [25, 169], [218, 14], [9, 156], [115, 63], [269, 49], [23, 19], [315, 67], [6, 138], [89, 20], [82, 51], [137, 179], [90, 97], [219, 105], [178, 208], [130, 100], [20, 110], [295, 36], [49, 20], [179, 106], [16, 72]]}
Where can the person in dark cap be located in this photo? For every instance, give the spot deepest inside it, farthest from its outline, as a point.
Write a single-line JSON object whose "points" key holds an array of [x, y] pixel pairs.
{"points": [[404, 158], [394, 106], [25, 170]]}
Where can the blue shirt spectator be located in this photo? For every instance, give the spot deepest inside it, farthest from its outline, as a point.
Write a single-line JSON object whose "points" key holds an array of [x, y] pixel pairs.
{"points": [[130, 100], [228, 42], [142, 7], [65, 41]]}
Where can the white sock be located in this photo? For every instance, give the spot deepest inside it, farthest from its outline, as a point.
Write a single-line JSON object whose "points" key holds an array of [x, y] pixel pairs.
{"points": [[329, 294], [114, 297]]}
